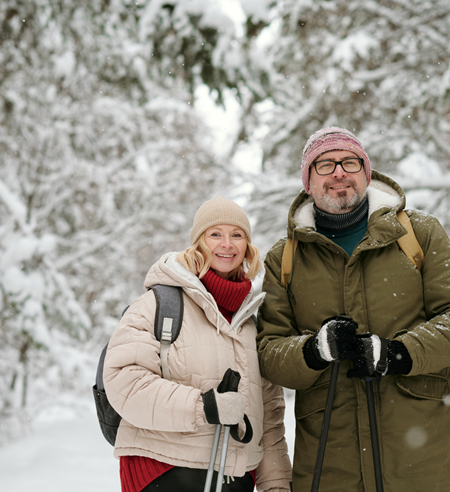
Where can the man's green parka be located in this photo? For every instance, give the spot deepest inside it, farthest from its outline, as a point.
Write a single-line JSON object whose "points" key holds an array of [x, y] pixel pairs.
{"points": [[385, 294]]}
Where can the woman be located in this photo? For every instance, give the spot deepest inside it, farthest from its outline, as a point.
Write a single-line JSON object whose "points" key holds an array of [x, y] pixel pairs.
{"points": [[164, 441]]}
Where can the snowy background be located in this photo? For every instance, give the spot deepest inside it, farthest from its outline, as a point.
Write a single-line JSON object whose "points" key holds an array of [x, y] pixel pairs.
{"points": [[119, 118]]}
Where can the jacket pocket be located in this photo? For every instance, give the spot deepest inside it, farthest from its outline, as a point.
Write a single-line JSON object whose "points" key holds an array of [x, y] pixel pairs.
{"points": [[427, 386]]}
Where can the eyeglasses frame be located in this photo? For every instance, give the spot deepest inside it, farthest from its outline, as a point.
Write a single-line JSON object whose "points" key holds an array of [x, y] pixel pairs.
{"points": [[339, 163]]}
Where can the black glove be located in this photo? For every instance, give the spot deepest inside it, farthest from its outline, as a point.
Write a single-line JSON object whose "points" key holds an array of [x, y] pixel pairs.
{"points": [[333, 342], [380, 356]]}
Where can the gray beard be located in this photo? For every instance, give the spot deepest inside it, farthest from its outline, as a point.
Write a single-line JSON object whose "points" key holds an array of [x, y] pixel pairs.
{"points": [[341, 203]]}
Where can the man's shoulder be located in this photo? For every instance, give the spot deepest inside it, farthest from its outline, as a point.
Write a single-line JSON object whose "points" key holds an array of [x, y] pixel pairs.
{"points": [[422, 221], [426, 228], [419, 214], [276, 251]]}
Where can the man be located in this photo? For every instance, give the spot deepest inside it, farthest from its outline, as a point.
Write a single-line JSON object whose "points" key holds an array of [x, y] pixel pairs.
{"points": [[348, 262]]}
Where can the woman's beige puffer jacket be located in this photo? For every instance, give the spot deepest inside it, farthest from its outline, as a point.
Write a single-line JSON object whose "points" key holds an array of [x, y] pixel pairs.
{"points": [[163, 419]]}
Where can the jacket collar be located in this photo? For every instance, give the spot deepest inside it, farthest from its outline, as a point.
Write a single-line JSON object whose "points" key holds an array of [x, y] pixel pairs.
{"points": [[384, 195], [168, 271]]}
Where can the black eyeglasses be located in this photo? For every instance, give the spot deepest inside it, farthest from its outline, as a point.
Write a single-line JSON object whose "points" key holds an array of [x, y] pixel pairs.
{"points": [[349, 165]]}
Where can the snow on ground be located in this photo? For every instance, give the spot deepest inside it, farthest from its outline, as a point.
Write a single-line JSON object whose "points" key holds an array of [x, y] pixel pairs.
{"points": [[71, 455], [60, 456]]}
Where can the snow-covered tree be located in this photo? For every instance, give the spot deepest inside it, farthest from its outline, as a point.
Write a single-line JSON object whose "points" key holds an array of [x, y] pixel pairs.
{"points": [[104, 161], [379, 68]]}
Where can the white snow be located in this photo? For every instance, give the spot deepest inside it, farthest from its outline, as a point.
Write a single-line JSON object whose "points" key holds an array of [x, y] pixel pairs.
{"points": [[418, 166], [60, 456], [358, 43], [257, 10], [222, 121], [14, 204]]}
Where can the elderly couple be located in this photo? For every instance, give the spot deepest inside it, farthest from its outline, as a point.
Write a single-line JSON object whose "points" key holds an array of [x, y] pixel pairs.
{"points": [[346, 261]]}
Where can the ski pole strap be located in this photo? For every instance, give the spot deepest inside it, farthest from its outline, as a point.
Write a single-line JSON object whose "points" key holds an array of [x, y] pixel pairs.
{"points": [[234, 431], [382, 365], [210, 407]]}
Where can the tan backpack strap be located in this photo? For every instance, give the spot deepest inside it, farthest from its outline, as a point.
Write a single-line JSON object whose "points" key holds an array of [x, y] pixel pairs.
{"points": [[286, 260], [409, 243]]}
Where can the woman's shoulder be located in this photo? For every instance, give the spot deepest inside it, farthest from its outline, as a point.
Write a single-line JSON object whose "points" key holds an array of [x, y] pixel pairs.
{"points": [[168, 271]]}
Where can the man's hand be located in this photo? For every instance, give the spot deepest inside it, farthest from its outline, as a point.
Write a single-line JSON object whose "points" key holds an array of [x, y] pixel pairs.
{"points": [[374, 355], [333, 342], [368, 358]]}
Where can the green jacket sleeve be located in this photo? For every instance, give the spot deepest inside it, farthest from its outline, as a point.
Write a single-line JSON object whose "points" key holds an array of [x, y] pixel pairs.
{"points": [[280, 344], [429, 342]]}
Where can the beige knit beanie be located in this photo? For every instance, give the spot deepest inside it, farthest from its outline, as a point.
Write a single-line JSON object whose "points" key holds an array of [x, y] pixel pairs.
{"points": [[219, 211]]}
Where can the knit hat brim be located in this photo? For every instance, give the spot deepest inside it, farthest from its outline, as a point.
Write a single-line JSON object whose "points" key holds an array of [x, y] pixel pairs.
{"points": [[219, 211]]}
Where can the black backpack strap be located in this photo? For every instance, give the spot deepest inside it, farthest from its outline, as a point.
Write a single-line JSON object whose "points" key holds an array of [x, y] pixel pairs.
{"points": [[99, 376], [168, 319]]}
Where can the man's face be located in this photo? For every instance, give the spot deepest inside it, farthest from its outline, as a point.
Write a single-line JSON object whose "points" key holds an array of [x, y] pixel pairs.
{"points": [[339, 192]]}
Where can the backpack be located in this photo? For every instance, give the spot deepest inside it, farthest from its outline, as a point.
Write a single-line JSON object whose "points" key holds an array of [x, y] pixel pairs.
{"points": [[407, 243], [168, 319]]}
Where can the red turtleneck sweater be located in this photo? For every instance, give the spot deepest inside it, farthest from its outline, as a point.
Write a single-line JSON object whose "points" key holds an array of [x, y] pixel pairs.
{"points": [[227, 294], [136, 472]]}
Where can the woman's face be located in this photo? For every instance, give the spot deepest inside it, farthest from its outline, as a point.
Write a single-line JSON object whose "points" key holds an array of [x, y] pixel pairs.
{"points": [[228, 246]]}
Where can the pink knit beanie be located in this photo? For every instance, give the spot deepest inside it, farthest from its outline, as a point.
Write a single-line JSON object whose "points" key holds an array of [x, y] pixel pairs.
{"points": [[327, 139]]}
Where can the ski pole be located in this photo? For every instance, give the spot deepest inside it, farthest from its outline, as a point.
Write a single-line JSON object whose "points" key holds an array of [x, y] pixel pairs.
{"points": [[230, 382], [374, 435], [223, 458], [212, 459], [325, 426]]}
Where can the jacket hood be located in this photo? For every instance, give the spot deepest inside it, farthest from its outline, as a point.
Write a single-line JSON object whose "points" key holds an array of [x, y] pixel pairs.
{"points": [[384, 195], [168, 271]]}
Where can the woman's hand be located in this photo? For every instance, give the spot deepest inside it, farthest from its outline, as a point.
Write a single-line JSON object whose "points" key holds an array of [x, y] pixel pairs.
{"points": [[223, 408]]}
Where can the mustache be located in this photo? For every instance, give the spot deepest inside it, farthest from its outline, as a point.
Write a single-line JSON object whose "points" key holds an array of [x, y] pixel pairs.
{"points": [[343, 181]]}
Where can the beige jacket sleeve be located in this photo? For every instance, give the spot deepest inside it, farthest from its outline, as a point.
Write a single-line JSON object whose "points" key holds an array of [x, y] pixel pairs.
{"points": [[132, 376], [274, 472]]}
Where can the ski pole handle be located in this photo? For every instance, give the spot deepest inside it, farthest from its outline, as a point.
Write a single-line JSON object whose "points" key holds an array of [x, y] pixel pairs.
{"points": [[230, 382]]}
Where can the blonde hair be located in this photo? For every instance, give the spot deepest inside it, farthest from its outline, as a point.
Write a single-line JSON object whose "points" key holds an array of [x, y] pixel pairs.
{"points": [[197, 259]]}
